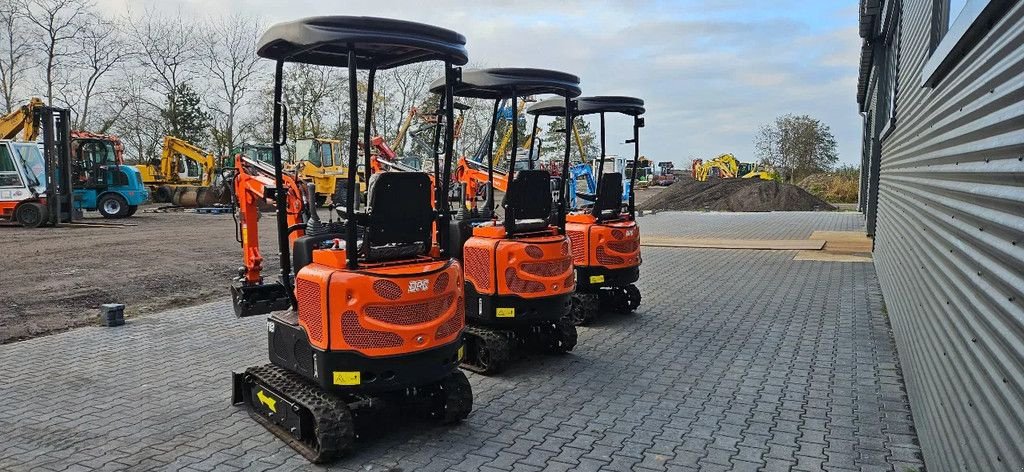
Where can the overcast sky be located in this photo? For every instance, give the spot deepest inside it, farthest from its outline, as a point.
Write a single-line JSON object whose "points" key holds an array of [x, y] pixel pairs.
{"points": [[711, 71]]}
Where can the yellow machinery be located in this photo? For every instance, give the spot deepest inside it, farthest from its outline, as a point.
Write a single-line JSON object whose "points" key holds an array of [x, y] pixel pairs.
{"points": [[19, 121], [185, 175], [725, 166], [318, 160]]}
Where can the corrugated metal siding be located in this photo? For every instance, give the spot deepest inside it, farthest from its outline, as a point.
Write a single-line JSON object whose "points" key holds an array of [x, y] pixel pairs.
{"points": [[949, 245]]}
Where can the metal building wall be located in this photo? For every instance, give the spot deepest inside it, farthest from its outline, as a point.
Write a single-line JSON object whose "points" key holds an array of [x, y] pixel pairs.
{"points": [[949, 245]]}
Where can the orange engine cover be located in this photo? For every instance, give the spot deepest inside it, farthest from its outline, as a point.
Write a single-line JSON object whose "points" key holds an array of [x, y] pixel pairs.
{"points": [[381, 311], [532, 267], [612, 245]]}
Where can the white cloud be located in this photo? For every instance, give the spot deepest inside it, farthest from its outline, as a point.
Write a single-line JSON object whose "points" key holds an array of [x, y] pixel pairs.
{"points": [[711, 72]]}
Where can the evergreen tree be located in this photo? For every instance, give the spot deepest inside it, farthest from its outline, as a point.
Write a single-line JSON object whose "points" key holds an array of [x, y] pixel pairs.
{"points": [[185, 116], [554, 141]]}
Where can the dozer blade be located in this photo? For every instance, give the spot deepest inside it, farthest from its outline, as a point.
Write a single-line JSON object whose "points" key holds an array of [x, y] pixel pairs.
{"points": [[253, 300]]}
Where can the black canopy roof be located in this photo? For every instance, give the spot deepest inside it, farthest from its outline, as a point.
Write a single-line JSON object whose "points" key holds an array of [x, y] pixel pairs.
{"points": [[498, 83], [380, 42], [588, 105]]}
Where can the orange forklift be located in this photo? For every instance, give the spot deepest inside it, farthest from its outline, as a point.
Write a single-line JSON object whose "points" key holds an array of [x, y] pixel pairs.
{"points": [[518, 268], [367, 312], [605, 236]]}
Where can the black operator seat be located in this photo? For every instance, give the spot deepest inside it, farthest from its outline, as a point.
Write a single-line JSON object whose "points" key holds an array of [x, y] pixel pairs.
{"points": [[608, 204], [399, 216], [528, 201]]}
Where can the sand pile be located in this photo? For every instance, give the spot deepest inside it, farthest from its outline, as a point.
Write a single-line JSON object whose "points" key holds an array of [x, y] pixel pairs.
{"points": [[734, 195]]}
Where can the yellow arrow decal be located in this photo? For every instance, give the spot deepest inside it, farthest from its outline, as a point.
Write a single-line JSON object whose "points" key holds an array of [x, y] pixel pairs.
{"points": [[267, 400]]}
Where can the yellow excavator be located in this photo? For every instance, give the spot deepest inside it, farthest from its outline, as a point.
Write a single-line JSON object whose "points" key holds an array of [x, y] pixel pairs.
{"points": [[185, 175], [725, 166]]}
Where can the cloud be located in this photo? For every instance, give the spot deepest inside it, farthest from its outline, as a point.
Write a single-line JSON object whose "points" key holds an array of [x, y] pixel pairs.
{"points": [[711, 72]]}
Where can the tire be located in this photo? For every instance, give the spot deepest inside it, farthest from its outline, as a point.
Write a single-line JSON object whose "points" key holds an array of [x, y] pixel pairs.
{"points": [[132, 209], [112, 205], [163, 194], [31, 214]]}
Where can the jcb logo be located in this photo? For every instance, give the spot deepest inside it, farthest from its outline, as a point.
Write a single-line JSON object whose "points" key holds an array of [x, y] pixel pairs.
{"points": [[419, 285]]}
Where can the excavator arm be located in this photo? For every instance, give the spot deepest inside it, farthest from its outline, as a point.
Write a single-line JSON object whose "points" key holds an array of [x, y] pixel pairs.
{"points": [[21, 121], [403, 129], [174, 147], [474, 175], [254, 183]]}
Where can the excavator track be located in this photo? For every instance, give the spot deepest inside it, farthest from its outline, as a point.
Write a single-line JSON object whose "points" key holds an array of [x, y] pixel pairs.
{"points": [[559, 337], [488, 350], [584, 308], [317, 424], [620, 299]]}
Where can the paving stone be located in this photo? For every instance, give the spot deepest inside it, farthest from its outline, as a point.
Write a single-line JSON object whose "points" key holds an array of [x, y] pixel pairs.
{"points": [[807, 379]]}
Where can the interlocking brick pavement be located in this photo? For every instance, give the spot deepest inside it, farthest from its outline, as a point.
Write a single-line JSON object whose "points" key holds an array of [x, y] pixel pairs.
{"points": [[737, 360]]}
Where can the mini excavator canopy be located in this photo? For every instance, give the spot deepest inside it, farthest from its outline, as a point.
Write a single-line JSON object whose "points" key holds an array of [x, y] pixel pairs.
{"points": [[609, 189], [356, 43], [511, 83]]}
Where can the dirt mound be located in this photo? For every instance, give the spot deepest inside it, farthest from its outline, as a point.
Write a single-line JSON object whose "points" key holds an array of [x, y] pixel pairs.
{"points": [[734, 195]]}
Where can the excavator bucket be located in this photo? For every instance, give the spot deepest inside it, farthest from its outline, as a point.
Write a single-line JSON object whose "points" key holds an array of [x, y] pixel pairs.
{"points": [[260, 299]]}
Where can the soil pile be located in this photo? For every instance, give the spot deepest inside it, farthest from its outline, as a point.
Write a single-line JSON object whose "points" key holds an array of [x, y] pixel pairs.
{"points": [[735, 195]]}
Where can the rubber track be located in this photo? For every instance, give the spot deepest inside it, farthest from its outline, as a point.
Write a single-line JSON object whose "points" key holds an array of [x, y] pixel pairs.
{"points": [[332, 419], [501, 349]]}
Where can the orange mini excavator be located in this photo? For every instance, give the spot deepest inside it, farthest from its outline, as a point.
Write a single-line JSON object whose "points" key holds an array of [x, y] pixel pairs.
{"points": [[519, 276], [368, 312], [605, 236]]}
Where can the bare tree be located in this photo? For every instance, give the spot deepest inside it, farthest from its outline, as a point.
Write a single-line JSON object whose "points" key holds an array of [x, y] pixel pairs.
{"points": [[398, 90], [59, 21], [168, 51], [230, 58], [137, 121], [15, 50], [102, 49]]}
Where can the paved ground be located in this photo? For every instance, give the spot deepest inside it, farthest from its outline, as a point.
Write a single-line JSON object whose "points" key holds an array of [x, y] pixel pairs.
{"points": [[737, 360]]}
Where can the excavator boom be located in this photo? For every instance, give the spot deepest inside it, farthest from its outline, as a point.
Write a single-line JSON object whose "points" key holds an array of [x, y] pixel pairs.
{"points": [[21, 121], [254, 183]]}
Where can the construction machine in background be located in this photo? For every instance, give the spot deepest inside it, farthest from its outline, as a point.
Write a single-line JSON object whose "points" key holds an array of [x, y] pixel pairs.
{"points": [[185, 175], [21, 121], [518, 269], [666, 174], [318, 160], [605, 236], [367, 312], [726, 166], [99, 179], [35, 179]]}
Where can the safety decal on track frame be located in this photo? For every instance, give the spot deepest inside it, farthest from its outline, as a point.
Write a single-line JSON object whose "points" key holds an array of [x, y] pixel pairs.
{"points": [[505, 313], [596, 279]]}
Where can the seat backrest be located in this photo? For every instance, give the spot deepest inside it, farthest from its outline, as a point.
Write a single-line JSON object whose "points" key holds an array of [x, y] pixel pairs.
{"points": [[529, 198], [609, 196], [399, 210]]}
